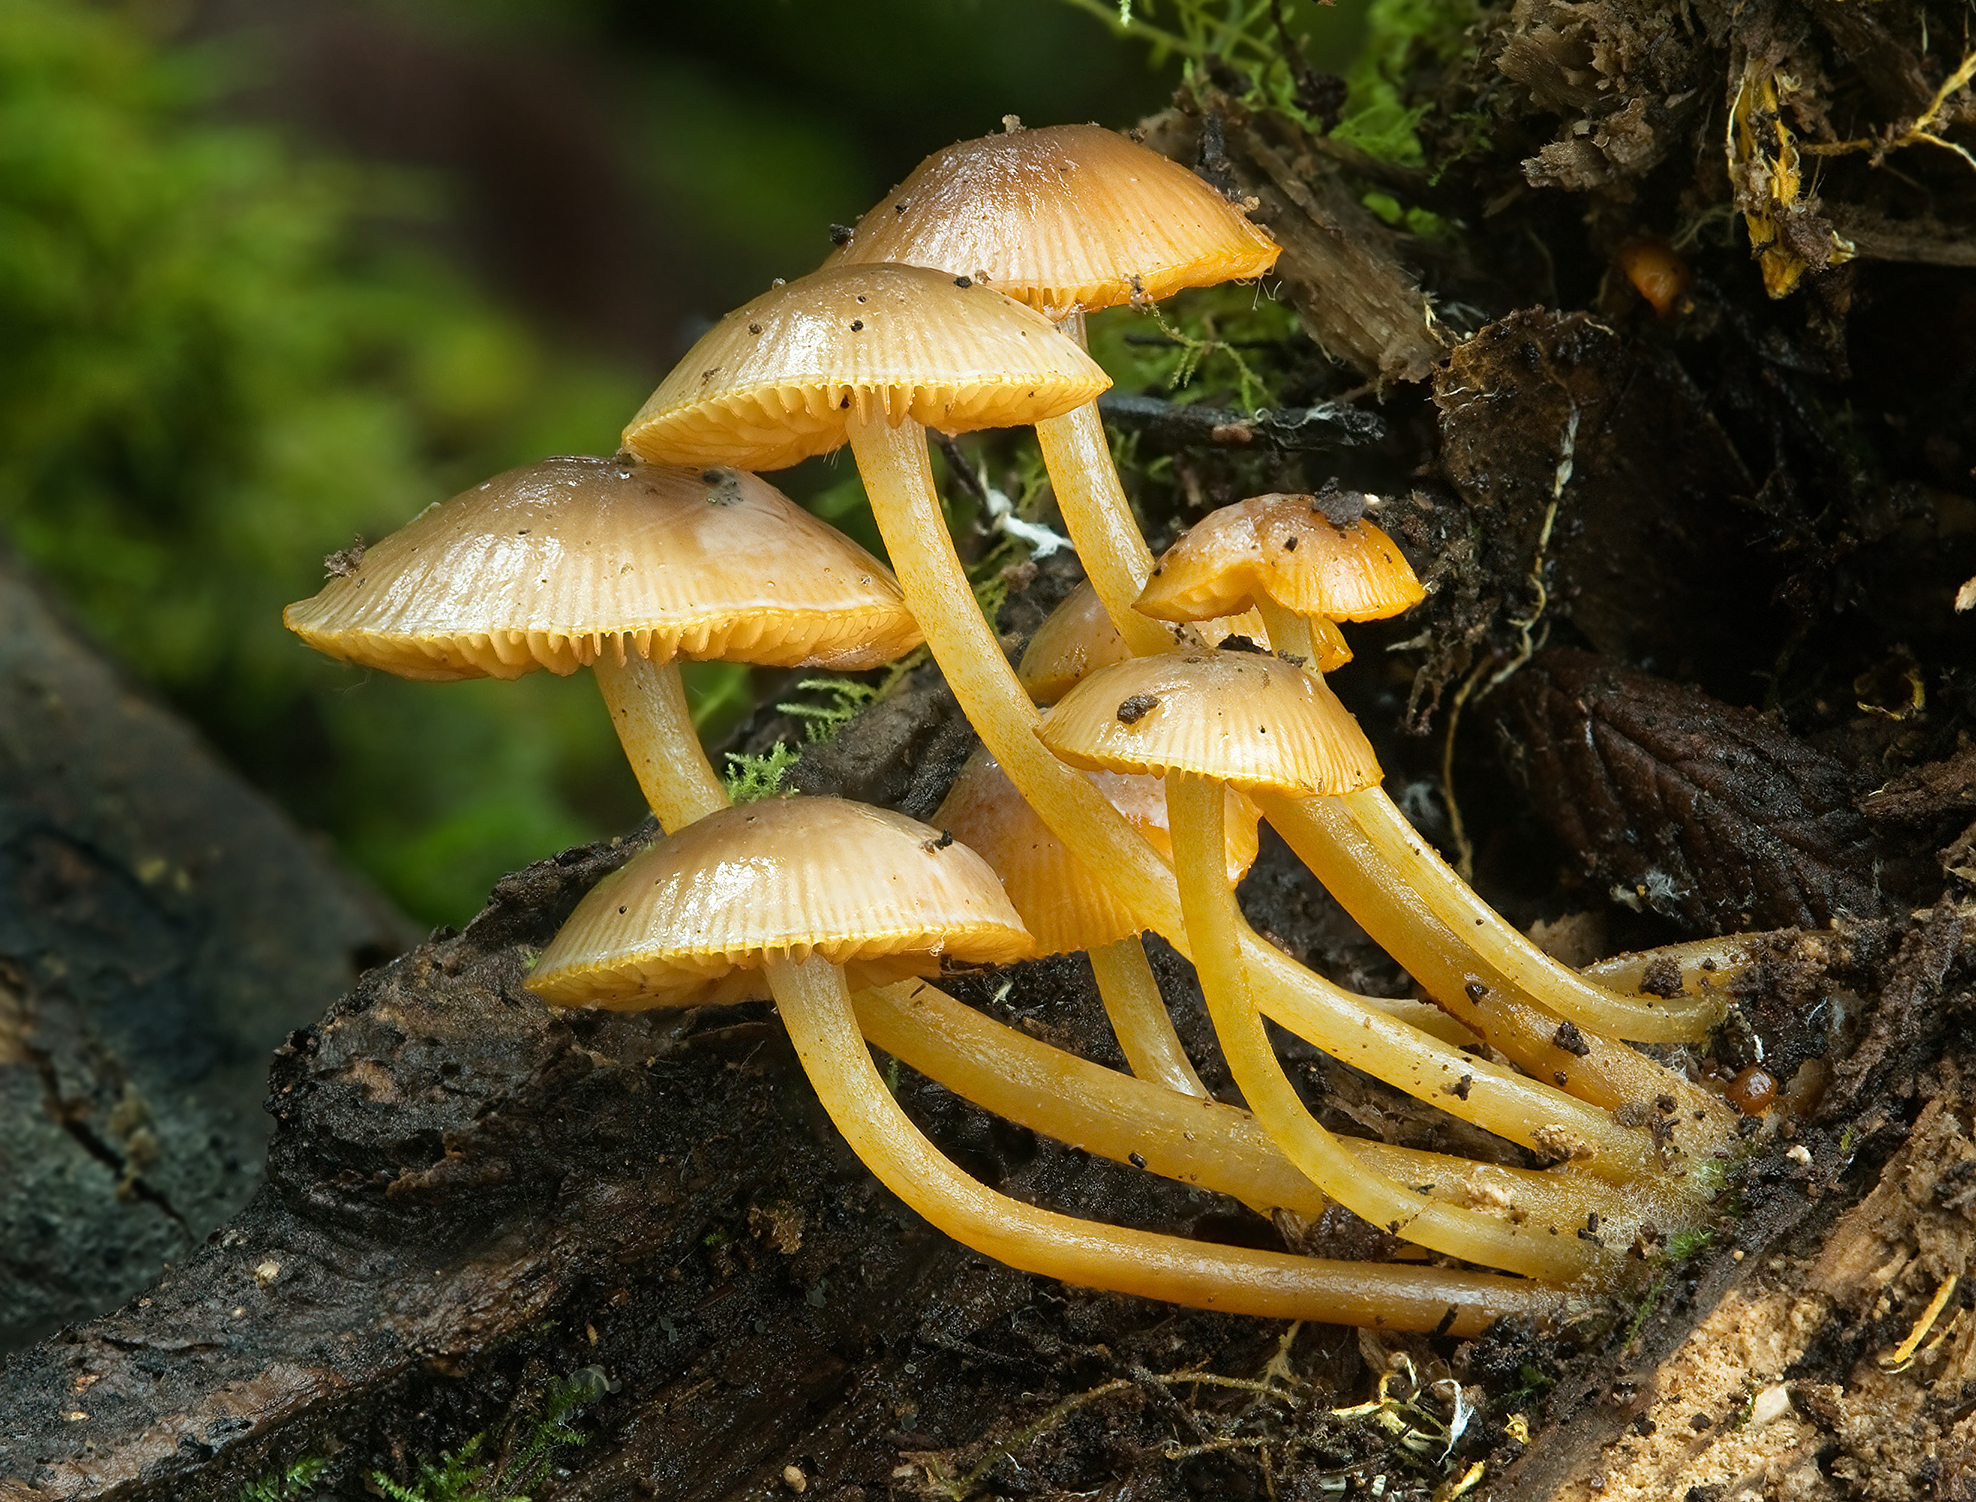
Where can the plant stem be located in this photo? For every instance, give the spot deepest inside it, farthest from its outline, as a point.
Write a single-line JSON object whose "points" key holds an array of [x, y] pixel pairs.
{"points": [[1194, 1140], [898, 477], [1354, 845]]}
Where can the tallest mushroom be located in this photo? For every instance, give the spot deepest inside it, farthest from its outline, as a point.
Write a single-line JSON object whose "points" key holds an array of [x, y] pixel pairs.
{"points": [[1070, 219], [872, 355]]}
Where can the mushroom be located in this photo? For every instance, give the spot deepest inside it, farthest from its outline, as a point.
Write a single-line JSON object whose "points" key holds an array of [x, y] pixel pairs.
{"points": [[1301, 562], [1078, 636], [1314, 560], [626, 569], [797, 889], [1208, 719], [1364, 1033], [1070, 219], [788, 374]]}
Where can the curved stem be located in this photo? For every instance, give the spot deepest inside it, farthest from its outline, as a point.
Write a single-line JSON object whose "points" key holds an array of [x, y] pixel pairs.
{"points": [[1096, 514], [1421, 1016], [1214, 923], [1196, 1141], [1329, 837], [898, 478], [1497, 1099], [648, 707], [816, 1008], [1139, 1018], [1705, 964], [1389, 857]]}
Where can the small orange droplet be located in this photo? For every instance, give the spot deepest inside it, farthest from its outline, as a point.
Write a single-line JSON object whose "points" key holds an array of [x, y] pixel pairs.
{"points": [[1752, 1091], [1656, 272]]}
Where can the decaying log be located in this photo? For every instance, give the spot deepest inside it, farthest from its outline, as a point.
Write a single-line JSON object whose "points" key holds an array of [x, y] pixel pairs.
{"points": [[161, 927]]}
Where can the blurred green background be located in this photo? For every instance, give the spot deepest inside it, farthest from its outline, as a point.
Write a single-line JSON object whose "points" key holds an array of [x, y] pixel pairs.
{"points": [[276, 274]]}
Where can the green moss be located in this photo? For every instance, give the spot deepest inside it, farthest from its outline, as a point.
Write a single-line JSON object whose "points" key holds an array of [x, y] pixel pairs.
{"points": [[296, 1484], [1404, 39], [532, 1441], [1219, 344], [224, 357], [750, 779]]}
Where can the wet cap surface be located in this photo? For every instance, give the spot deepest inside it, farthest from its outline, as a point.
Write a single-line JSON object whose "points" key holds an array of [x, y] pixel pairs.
{"points": [[558, 563], [856, 884], [775, 381], [1250, 720], [1063, 218]]}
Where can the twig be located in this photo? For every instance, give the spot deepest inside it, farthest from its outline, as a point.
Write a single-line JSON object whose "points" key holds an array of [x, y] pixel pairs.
{"points": [[1921, 132]]}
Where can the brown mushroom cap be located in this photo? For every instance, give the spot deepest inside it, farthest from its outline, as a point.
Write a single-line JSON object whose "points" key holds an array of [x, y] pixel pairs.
{"points": [[1289, 548], [687, 922], [1244, 718], [556, 563], [1065, 217], [1061, 900], [1078, 638], [773, 382]]}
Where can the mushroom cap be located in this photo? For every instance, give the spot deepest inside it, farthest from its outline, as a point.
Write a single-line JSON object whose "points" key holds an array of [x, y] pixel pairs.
{"points": [[556, 563], [1061, 900], [687, 921], [774, 381], [1063, 218], [1078, 637], [1293, 548], [1242, 717]]}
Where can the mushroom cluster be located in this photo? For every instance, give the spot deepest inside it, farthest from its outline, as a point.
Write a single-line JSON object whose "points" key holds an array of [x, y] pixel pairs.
{"points": [[1189, 702]]}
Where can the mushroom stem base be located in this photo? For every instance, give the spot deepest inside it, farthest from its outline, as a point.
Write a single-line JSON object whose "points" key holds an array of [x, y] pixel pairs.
{"points": [[1215, 926]]}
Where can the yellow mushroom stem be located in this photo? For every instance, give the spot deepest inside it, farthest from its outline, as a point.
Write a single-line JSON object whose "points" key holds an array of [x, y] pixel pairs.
{"points": [[1096, 514], [1289, 632], [815, 1005], [1406, 885], [1214, 928], [1139, 1018], [1353, 845], [898, 479], [1705, 964], [647, 701], [1196, 1141]]}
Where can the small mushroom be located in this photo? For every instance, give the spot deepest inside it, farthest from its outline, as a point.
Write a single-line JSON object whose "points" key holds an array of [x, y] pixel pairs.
{"points": [[623, 568], [1078, 637], [1068, 908], [1256, 722]]}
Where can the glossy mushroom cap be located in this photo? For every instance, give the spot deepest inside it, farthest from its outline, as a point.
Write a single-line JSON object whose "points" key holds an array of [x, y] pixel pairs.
{"points": [[561, 562], [1078, 638], [1066, 217], [1314, 555], [687, 922], [1061, 900], [1244, 718], [774, 381]]}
